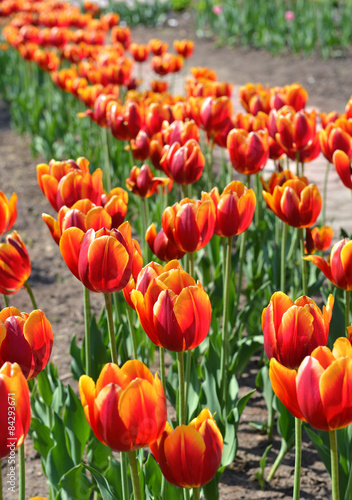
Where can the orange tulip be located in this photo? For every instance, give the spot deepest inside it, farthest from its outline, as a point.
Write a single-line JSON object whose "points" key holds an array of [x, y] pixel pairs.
{"points": [[296, 202], [102, 260], [319, 391], [342, 164], [14, 398], [184, 47], [292, 330], [318, 238], [292, 95], [158, 47], [65, 182], [98, 113], [155, 115], [125, 121], [159, 86], [161, 246], [190, 455], [234, 209], [183, 164], [126, 408], [338, 267], [140, 146], [189, 224], [326, 118], [8, 212], [255, 98], [249, 152], [26, 339], [179, 131], [121, 35], [85, 215], [174, 311], [214, 113], [334, 138], [15, 264], [139, 52], [142, 182], [278, 179]]}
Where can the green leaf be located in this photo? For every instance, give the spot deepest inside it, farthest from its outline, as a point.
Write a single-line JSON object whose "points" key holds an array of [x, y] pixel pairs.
{"points": [[98, 454], [40, 434], [75, 484], [103, 484], [76, 361], [113, 476], [44, 387], [154, 476], [77, 427], [58, 461]]}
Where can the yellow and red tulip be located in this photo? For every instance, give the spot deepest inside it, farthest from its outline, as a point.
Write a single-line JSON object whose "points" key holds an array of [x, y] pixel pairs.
{"points": [[139, 52], [234, 209], [184, 47], [15, 264], [342, 165], [318, 238], [25, 339], [161, 246], [126, 408], [334, 138], [190, 455], [189, 224], [214, 113], [296, 202], [338, 267], [183, 164], [8, 212], [292, 330], [122, 35], [249, 152], [319, 391], [174, 311], [102, 260], [158, 47], [142, 182], [14, 394]]}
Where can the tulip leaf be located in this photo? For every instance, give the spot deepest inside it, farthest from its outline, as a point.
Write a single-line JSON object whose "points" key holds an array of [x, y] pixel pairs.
{"points": [[40, 434], [337, 324], [44, 387], [113, 475], [58, 461], [230, 438], [77, 369], [77, 427], [98, 454], [75, 484], [98, 349], [193, 386], [103, 484], [154, 476], [244, 350], [59, 398]]}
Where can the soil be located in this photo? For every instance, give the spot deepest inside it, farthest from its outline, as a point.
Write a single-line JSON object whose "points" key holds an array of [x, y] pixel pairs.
{"points": [[59, 294]]}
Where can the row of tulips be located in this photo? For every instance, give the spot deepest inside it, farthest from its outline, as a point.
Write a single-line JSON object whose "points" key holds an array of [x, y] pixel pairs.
{"points": [[175, 310]]}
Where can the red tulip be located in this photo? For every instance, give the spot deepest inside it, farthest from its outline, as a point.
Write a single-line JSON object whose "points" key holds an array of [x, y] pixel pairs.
{"points": [[342, 164], [338, 268], [8, 212], [15, 265], [319, 391], [318, 238], [292, 330], [189, 225], [14, 403], [174, 311], [184, 47], [234, 209], [334, 138], [161, 246], [25, 339], [126, 408], [142, 182], [183, 164], [190, 455], [249, 152], [102, 260], [296, 202]]}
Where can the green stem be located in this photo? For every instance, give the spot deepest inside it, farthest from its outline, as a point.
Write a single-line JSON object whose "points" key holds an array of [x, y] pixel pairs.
{"points": [[181, 380], [111, 328], [225, 317], [22, 481], [196, 493], [188, 355], [6, 300], [190, 257], [347, 308], [240, 270], [107, 173], [184, 190], [30, 293], [86, 302], [132, 331], [145, 217], [304, 264], [258, 210], [0, 482], [124, 478], [325, 192], [282, 453], [162, 368], [134, 474], [334, 466], [283, 259], [297, 163], [298, 458], [209, 164]]}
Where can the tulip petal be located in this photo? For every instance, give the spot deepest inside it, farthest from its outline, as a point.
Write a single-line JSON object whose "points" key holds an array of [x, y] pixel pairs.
{"points": [[283, 381], [70, 247]]}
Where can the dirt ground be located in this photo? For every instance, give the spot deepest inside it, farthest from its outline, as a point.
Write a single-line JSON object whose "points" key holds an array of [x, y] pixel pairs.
{"points": [[59, 294]]}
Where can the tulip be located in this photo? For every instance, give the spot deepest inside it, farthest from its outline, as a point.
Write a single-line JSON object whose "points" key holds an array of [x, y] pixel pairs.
{"points": [[159, 86], [214, 113], [158, 47], [318, 392], [8, 212], [142, 182], [85, 215], [318, 238], [279, 179], [15, 265], [140, 146], [249, 152], [255, 98], [296, 202], [174, 311], [99, 113], [14, 394], [179, 131], [139, 52], [155, 115], [121, 35], [161, 246], [184, 47], [183, 164], [126, 408], [234, 209], [25, 339], [190, 455], [189, 224], [342, 164], [292, 330], [65, 182], [102, 260], [338, 267], [292, 95], [125, 121], [334, 138]]}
